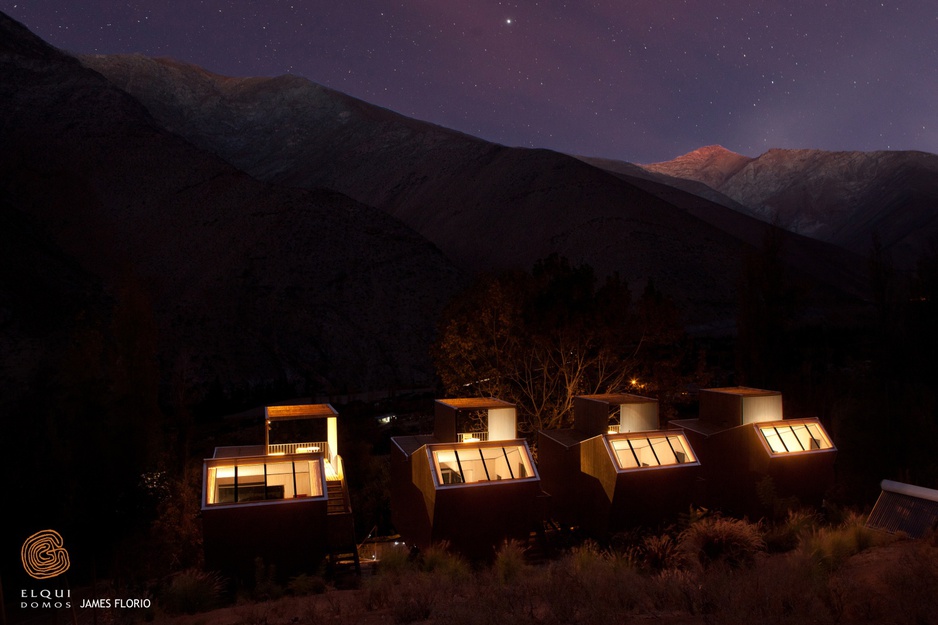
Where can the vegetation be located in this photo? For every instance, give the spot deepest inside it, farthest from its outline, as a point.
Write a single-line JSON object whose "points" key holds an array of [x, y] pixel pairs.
{"points": [[539, 339], [657, 576]]}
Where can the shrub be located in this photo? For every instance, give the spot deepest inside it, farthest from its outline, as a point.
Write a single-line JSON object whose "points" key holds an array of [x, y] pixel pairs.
{"points": [[656, 553], [509, 562], [786, 536], [440, 561], [192, 591], [304, 584], [414, 598], [395, 560], [711, 540], [829, 548]]}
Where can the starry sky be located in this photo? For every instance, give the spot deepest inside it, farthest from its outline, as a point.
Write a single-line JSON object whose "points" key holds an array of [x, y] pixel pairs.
{"points": [[635, 80]]}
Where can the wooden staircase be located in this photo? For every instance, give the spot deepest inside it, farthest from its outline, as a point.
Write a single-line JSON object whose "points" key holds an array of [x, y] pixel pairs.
{"points": [[338, 497], [343, 550]]}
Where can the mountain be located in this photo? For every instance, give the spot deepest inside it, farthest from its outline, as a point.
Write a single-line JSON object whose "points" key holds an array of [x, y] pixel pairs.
{"points": [[487, 206], [712, 165], [845, 198], [237, 283]]}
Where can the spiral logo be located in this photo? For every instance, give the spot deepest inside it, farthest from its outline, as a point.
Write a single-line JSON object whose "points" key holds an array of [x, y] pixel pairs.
{"points": [[43, 555]]}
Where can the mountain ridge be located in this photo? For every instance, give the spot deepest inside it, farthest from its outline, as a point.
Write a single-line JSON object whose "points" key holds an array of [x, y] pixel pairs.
{"points": [[843, 197], [487, 206], [248, 283]]}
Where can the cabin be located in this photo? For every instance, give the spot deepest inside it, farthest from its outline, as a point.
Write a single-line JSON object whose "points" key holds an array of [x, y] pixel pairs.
{"points": [[285, 502], [472, 483], [752, 456], [616, 468]]}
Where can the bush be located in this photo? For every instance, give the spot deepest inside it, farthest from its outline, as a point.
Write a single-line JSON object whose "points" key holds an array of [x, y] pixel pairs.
{"points": [[414, 598], [656, 553], [829, 548], [713, 540], [193, 591], [440, 561], [304, 584], [788, 535], [509, 562], [395, 560]]}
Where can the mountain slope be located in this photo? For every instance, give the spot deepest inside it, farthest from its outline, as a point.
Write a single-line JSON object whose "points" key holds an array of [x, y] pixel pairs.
{"points": [[845, 198], [247, 283], [486, 206]]}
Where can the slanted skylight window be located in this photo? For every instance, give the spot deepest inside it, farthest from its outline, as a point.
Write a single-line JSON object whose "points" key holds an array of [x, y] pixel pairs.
{"points": [[638, 452], [788, 438], [470, 464]]}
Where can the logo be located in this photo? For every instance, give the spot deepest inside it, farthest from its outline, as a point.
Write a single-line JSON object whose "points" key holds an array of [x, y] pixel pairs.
{"points": [[44, 556]]}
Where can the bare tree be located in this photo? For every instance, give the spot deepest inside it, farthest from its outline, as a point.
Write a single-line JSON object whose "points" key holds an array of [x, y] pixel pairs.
{"points": [[540, 339]]}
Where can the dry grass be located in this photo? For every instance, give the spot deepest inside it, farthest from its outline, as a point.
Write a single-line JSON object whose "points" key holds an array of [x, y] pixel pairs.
{"points": [[840, 574]]}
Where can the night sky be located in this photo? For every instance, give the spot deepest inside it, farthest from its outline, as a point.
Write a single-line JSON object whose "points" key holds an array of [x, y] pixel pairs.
{"points": [[642, 81]]}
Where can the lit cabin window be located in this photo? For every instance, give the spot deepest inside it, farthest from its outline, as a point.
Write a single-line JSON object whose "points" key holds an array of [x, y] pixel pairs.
{"points": [[787, 438], [651, 451], [245, 483], [470, 464]]}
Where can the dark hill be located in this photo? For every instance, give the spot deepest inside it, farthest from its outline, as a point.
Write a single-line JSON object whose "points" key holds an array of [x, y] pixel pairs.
{"points": [[247, 284], [845, 198], [486, 206]]}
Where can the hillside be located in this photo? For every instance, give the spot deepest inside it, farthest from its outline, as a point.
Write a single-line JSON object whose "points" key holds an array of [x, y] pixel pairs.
{"points": [[244, 283], [485, 206], [845, 198]]}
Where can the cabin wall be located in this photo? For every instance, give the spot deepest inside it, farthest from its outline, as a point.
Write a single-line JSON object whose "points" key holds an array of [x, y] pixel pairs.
{"points": [[559, 468], [291, 535], [759, 408], [638, 416], [409, 510], [476, 519], [502, 424], [590, 417]]}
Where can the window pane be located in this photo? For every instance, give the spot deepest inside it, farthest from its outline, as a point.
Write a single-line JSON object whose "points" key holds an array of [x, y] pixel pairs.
{"points": [[820, 439], [480, 464], [681, 451], [796, 438], [520, 463], [495, 463], [646, 457], [472, 468], [624, 454], [210, 494], [447, 467], [789, 438], [280, 480], [663, 451], [804, 437], [775, 443]]}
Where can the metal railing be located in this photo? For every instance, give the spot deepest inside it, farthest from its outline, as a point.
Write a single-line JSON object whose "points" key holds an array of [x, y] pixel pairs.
{"points": [[299, 448], [470, 437]]}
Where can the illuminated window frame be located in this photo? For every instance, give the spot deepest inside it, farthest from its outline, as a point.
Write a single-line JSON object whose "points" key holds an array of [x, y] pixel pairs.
{"points": [[457, 465], [783, 438], [652, 451], [256, 480]]}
